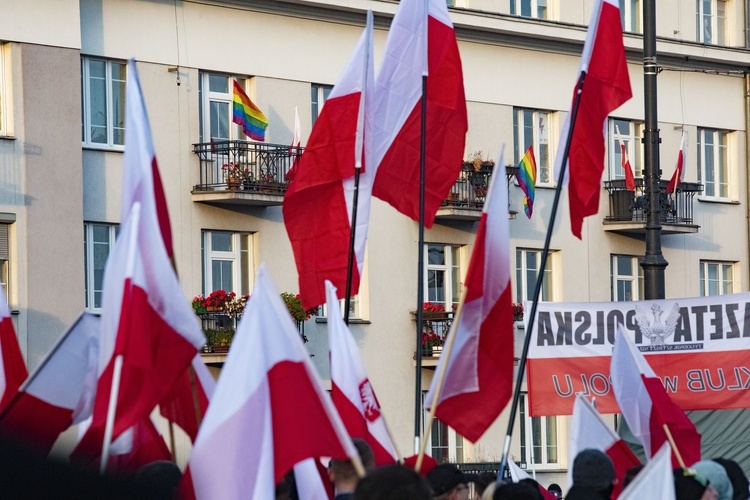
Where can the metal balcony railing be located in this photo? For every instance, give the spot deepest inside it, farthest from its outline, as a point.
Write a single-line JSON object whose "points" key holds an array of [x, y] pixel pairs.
{"points": [[470, 189], [632, 206], [266, 168]]}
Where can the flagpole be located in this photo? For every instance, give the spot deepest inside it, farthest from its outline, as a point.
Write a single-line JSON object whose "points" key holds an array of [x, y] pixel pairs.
{"points": [[539, 279], [350, 263], [112, 407], [674, 446]]}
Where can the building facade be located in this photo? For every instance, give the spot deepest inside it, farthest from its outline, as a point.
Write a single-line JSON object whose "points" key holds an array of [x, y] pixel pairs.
{"points": [[62, 85]]}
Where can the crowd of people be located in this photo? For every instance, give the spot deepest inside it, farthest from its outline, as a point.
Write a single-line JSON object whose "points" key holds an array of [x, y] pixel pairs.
{"points": [[593, 477]]}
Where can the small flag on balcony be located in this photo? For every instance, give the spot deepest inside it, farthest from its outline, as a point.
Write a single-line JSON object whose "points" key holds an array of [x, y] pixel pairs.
{"points": [[527, 180], [247, 114], [679, 170], [625, 162]]}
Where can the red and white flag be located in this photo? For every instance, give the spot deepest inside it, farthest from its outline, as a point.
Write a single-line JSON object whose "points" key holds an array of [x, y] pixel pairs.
{"points": [[646, 405], [518, 474], [318, 205], [679, 170], [12, 367], [59, 390], [147, 446], [625, 162], [604, 86], [478, 371], [141, 180], [351, 391], [269, 412], [655, 480], [419, 43], [590, 431], [311, 480], [181, 407]]}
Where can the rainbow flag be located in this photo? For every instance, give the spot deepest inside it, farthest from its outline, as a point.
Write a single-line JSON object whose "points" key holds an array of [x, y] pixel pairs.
{"points": [[527, 180], [247, 114]]}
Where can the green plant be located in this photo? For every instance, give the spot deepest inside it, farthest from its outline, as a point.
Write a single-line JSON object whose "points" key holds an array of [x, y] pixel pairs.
{"points": [[294, 304], [219, 337]]}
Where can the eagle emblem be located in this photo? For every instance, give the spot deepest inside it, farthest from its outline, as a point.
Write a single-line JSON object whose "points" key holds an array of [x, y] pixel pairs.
{"points": [[369, 401], [658, 330]]}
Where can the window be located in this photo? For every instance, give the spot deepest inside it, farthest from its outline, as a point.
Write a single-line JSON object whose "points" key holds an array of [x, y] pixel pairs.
{"points": [[318, 96], [626, 278], [227, 262], [538, 9], [630, 15], [713, 169], [4, 259], [215, 112], [4, 94], [443, 275], [531, 128], [358, 304], [103, 103], [711, 22], [98, 240], [717, 278], [543, 435], [632, 134], [445, 445], [528, 263]]}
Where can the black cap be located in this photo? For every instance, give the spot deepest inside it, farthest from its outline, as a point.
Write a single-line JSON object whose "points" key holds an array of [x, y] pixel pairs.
{"points": [[593, 469], [445, 477]]}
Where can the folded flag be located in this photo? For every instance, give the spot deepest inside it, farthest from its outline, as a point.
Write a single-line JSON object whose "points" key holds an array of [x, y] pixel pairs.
{"points": [[679, 170], [526, 177], [247, 115], [625, 162]]}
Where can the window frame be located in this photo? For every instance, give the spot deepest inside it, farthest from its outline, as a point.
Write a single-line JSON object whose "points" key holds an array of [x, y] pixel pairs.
{"points": [[526, 425], [524, 292], [517, 8], [724, 286], [636, 279], [5, 259], [242, 265], [633, 139], [4, 93], [631, 12], [718, 24], [318, 96], [360, 311], [90, 290], [454, 273], [457, 446], [109, 98], [520, 142], [721, 173]]}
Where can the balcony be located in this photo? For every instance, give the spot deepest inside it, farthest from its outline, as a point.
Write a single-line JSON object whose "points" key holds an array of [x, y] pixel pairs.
{"points": [[628, 210], [466, 198], [267, 170], [435, 327]]}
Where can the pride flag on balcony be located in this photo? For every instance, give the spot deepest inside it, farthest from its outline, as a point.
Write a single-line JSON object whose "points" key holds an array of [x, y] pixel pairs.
{"points": [[247, 114], [527, 180]]}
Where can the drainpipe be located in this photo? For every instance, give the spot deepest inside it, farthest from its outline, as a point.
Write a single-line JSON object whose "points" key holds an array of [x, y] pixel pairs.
{"points": [[746, 79]]}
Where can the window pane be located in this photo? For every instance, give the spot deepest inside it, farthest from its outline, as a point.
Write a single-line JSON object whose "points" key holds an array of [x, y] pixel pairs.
{"points": [[98, 101], [551, 439], [721, 15], [526, 8], [536, 439], [436, 255], [219, 120], [440, 442], [101, 246], [455, 277], [221, 272], [722, 174], [436, 286], [118, 103], [221, 241], [728, 282], [543, 149], [541, 9], [708, 157], [245, 264], [218, 83]]}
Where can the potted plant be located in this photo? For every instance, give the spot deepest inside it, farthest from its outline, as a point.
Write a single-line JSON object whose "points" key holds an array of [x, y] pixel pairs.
{"points": [[233, 175], [215, 302], [432, 343], [517, 311], [219, 339], [477, 163], [433, 311], [248, 179], [294, 304]]}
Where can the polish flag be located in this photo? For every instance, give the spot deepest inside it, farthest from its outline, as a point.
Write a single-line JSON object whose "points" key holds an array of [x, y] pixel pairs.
{"points": [[419, 44], [646, 405], [180, 406], [679, 170], [604, 86], [59, 390], [294, 147], [318, 205], [13, 370], [518, 474], [590, 431], [625, 162], [655, 480], [478, 371], [311, 480], [147, 446], [259, 424], [353, 395], [141, 180]]}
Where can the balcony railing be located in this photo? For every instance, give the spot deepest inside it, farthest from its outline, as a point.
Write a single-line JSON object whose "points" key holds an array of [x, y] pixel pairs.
{"points": [[632, 206], [267, 168], [466, 198]]}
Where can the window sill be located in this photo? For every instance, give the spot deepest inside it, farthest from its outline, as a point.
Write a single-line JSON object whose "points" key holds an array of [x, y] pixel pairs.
{"points": [[112, 149], [7, 137], [352, 321], [725, 201]]}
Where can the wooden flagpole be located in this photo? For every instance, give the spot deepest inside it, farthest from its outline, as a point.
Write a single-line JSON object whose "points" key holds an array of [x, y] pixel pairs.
{"points": [[539, 280], [674, 446]]}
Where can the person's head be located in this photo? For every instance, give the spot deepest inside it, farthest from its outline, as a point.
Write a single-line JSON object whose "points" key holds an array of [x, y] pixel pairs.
{"points": [[630, 474], [392, 482], [736, 476], [483, 480], [555, 489], [593, 475], [449, 483], [162, 475], [690, 485], [517, 491], [717, 477], [342, 473]]}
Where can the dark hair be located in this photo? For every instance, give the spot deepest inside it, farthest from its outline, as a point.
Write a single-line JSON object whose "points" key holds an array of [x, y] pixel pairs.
{"points": [[517, 491], [344, 468], [392, 482], [483, 480], [630, 474]]}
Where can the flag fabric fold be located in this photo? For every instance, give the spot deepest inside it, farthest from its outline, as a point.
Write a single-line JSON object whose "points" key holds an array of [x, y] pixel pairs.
{"points": [[258, 424], [247, 115], [294, 151], [318, 205], [351, 391], [604, 86], [478, 372], [147, 446], [419, 43], [526, 177], [588, 430], [179, 406], [49, 400], [679, 170], [655, 480], [13, 371], [625, 162], [646, 406]]}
